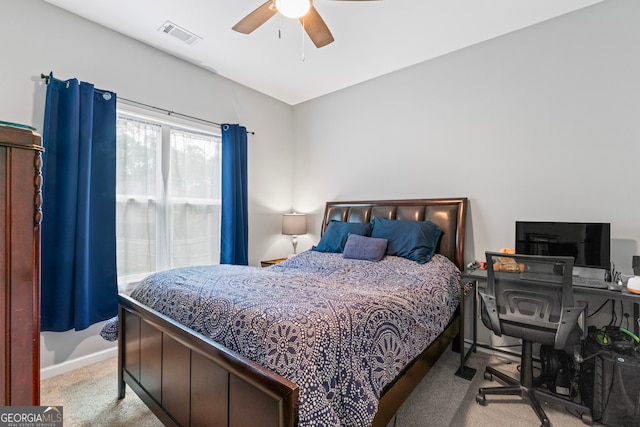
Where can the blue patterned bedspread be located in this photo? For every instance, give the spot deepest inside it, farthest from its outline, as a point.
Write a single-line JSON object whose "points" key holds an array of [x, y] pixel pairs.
{"points": [[340, 329]]}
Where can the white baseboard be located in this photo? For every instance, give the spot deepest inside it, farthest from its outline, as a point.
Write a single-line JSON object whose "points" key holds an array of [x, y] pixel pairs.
{"points": [[70, 365]]}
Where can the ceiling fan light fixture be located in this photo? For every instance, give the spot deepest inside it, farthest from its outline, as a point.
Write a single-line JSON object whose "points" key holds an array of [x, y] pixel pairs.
{"points": [[293, 8]]}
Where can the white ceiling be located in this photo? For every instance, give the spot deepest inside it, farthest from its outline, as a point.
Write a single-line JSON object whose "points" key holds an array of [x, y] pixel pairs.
{"points": [[372, 38]]}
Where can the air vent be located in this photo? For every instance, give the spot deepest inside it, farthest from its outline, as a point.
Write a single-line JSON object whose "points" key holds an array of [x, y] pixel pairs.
{"points": [[179, 33]]}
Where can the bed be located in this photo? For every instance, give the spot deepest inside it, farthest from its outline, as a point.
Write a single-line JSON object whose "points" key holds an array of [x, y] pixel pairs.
{"points": [[198, 371]]}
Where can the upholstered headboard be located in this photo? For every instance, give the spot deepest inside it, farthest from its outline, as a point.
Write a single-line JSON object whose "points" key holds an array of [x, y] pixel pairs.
{"points": [[448, 214]]}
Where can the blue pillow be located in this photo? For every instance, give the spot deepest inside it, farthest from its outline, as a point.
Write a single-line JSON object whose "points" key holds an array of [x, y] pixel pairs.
{"points": [[414, 240], [365, 248], [336, 233]]}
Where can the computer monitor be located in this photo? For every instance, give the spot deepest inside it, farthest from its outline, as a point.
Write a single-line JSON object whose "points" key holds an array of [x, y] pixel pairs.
{"points": [[589, 243]]}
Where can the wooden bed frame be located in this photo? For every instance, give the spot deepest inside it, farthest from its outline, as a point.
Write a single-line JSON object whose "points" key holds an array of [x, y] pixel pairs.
{"points": [[187, 379]]}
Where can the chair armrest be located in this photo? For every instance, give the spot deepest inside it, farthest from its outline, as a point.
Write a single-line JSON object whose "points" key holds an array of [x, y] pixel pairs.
{"points": [[490, 308], [568, 322]]}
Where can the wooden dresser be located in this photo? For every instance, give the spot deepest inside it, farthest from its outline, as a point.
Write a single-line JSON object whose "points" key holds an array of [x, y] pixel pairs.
{"points": [[20, 217]]}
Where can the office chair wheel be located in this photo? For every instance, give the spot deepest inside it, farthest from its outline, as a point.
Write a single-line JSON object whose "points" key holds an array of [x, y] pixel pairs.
{"points": [[586, 418], [481, 399], [488, 376]]}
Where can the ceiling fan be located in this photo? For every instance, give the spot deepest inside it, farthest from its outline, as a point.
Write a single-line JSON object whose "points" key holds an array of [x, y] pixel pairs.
{"points": [[303, 10]]}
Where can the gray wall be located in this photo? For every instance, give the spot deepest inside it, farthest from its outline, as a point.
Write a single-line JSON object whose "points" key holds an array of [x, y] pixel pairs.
{"points": [[37, 38], [540, 124]]}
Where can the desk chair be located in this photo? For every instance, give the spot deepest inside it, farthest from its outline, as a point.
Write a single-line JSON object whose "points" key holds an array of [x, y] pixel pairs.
{"points": [[531, 298]]}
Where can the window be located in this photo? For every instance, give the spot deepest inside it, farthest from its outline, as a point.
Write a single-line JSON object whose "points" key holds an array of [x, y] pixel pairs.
{"points": [[167, 195]]}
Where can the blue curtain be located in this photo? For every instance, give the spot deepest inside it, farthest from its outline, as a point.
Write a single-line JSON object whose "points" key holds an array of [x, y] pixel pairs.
{"points": [[234, 233], [79, 279]]}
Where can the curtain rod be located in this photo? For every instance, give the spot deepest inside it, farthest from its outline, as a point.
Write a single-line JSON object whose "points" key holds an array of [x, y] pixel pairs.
{"points": [[169, 112]]}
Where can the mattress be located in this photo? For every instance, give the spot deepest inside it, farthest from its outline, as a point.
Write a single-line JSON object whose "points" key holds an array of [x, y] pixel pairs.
{"points": [[341, 329]]}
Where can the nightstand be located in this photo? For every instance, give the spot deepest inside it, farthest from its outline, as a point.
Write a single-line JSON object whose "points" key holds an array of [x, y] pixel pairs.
{"points": [[271, 262]]}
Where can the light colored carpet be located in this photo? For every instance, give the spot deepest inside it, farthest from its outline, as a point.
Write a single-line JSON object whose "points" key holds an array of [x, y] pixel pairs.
{"points": [[89, 398], [503, 410]]}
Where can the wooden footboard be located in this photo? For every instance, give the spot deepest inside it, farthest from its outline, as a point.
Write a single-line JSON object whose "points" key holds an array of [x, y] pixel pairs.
{"points": [[187, 379]]}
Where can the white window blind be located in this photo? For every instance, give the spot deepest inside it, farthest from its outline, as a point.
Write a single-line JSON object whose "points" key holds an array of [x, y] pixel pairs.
{"points": [[168, 195]]}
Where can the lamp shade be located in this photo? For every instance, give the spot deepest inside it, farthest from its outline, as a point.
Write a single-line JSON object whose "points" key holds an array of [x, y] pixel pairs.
{"points": [[294, 224]]}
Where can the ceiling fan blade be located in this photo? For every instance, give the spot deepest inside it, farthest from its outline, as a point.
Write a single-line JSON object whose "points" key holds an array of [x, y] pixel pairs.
{"points": [[316, 28], [255, 18]]}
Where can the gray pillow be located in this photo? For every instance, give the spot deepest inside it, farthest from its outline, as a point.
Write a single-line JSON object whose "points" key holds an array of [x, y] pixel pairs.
{"points": [[365, 248]]}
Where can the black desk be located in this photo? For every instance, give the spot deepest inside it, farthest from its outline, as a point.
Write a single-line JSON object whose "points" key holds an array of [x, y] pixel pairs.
{"points": [[470, 280]]}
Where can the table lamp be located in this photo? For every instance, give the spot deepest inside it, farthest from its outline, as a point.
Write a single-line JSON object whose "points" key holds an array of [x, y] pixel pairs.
{"points": [[294, 225]]}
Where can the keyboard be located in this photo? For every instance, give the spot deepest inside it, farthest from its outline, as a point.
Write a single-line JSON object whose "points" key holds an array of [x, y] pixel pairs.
{"points": [[589, 283]]}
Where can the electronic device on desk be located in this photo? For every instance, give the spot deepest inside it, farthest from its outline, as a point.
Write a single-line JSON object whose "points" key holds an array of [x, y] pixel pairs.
{"points": [[589, 243], [589, 283]]}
